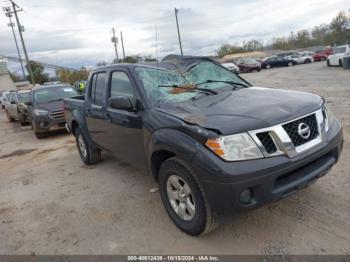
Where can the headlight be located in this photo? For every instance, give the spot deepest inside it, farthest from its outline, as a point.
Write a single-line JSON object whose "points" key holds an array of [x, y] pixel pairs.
{"points": [[235, 147], [327, 115], [40, 112]]}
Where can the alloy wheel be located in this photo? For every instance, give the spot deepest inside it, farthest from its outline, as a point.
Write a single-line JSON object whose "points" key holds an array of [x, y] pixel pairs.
{"points": [[181, 198], [82, 146]]}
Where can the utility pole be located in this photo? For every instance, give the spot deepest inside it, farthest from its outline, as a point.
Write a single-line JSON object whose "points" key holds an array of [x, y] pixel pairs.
{"points": [[20, 29], [178, 30], [12, 25], [121, 40], [115, 41]]}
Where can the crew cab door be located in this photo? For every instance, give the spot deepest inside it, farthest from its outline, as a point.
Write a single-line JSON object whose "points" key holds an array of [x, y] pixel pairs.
{"points": [[125, 127], [95, 107]]}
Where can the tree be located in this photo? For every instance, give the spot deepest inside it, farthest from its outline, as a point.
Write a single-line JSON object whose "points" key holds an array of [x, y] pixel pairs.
{"points": [[38, 72], [71, 77], [15, 77], [339, 31]]}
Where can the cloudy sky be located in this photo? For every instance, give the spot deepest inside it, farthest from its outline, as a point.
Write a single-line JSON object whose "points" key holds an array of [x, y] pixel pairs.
{"points": [[77, 32]]}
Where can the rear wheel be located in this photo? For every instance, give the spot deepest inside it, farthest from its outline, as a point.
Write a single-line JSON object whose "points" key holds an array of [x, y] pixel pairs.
{"points": [[290, 63], [328, 63], [21, 119], [268, 66], [88, 154], [184, 199]]}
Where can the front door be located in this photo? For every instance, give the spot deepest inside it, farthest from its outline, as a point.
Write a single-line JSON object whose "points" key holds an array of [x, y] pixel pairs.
{"points": [[125, 128]]}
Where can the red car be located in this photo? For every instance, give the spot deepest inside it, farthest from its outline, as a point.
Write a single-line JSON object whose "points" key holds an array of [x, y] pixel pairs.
{"points": [[321, 55]]}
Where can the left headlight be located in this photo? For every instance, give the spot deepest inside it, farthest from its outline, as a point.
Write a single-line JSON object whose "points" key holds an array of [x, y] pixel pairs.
{"points": [[40, 112], [235, 147], [327, 115]]}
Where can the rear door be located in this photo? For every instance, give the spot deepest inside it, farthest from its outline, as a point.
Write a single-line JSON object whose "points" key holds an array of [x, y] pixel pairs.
{"points": [[95, 108], [124, 133]]}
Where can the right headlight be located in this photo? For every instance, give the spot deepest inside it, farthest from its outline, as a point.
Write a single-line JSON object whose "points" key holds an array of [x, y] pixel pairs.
{"points": [[235, 147]]}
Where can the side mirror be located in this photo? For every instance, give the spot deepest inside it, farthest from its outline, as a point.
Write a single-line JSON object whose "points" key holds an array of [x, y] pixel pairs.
{"points": [[121, 102]]}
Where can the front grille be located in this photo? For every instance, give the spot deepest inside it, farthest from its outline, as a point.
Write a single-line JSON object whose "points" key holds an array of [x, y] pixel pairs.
{"points": [[292, 130], [266, 140], [57, 114]]}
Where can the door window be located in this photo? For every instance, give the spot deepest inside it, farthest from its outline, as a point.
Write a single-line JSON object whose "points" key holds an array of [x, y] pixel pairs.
{"points": [[121, 85], [98, 89]]}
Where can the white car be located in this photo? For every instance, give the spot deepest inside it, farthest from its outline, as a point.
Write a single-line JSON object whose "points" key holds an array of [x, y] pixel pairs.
{"points": [[301, 59], [338, 53], [231, 66]]}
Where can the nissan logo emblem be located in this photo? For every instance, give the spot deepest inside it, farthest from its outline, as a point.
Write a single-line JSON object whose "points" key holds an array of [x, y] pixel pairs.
{"points": [[304, 131]]}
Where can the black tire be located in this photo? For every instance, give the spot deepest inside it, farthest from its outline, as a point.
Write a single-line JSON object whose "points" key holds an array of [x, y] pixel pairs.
{"points": [[307, 61], [40, 135], [204, 219], [93, 155], [340, 63], [328, 63], [9, 118], [259, 70], [22, 120]]}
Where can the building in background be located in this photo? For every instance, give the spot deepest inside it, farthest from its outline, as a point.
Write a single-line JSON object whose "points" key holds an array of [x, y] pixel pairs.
{"points": [[6, 82]]}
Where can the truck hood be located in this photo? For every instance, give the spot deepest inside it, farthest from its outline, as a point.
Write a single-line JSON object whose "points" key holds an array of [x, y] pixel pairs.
{"points": [[244, 109], [51, 106]]}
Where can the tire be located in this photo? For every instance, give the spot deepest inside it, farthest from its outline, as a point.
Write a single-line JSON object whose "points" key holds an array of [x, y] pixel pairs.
{"points": [[40, 135], [203, 219], [328, 63], [307, 61], [268, 66], [259, 70], [9, 118], [21, 120], [340, 63], [91, 155], [290, 64]]}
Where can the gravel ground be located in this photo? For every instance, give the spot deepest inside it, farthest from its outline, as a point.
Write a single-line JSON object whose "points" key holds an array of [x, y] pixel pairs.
{"points": [[50, 203]]}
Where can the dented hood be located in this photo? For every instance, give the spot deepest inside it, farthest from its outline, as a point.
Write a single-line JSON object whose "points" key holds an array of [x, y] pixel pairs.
{"points": [[244, 109]]}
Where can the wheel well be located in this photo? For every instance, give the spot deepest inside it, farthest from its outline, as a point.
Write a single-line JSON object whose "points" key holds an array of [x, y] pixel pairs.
{"points": [[74, 126], [157, 159]]}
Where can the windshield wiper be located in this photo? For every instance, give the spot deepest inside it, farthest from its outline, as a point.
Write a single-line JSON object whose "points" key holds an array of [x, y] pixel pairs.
{"points": [[191, 88], [233, 83]]}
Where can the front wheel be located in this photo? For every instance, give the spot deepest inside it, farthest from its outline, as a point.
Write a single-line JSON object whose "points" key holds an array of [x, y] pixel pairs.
{"points": [[88, 154], [290, 64], [268, 66], [328, 63], [184, 200], [340, 63]]}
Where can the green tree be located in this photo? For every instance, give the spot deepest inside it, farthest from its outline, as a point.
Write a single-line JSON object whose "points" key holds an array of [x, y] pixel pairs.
{"points": [[38, 72], [15, 77]]}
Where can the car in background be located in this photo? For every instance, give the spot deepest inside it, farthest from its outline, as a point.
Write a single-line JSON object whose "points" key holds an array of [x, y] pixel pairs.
{"points": [[11, 106], [46, 108], [336, 59], [287, 54], [275, 61], [248, 65], [321, 55], [3, 99], [23, 98], [232, 67], [301, 59]]}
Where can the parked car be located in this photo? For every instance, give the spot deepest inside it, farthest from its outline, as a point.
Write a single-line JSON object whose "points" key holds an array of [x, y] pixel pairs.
{"points": [[231, 66], [338, 53], [46, 108], [248, 65], [3, 99], [11, 106], [24, 98], [214, 143], [301, 59], [276, 61], [287, 54], [321, 55]]}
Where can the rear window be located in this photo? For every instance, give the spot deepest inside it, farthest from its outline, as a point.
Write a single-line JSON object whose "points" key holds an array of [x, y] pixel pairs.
{"points": [[23, 97], [98, 88]]}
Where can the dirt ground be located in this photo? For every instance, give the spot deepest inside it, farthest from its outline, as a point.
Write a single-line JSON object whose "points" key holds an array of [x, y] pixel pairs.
{"points": [[50, 203]]}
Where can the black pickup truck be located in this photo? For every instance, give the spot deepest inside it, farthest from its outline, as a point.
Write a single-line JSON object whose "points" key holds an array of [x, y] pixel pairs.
{"points": [[214, 143]]}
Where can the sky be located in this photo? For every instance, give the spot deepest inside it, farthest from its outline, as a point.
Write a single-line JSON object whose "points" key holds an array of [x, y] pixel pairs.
{"points": [[77, 33]]}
